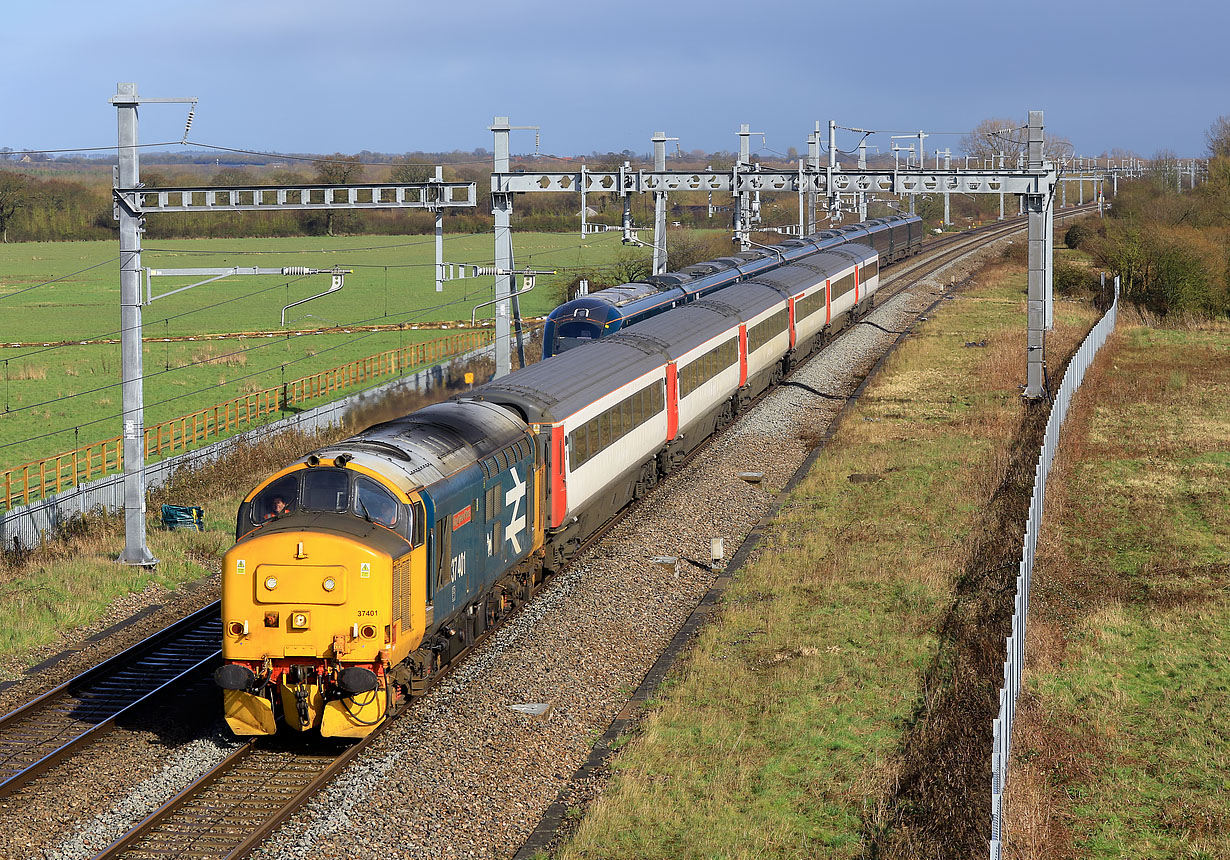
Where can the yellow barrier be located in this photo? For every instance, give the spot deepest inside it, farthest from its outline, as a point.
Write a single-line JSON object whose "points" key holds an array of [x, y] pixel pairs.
{"points": [[41, 478]]}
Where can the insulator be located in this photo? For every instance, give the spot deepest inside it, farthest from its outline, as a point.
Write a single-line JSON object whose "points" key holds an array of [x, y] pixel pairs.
{"points": [[481, 271], [188, 124], [295, 270]]}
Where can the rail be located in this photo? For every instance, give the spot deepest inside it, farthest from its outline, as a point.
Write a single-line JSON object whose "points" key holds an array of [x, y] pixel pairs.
{"points": [[55, 725], [1014, 664], [39, 479]]}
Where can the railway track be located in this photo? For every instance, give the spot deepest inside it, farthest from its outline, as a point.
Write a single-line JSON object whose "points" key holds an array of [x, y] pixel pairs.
{"points": [[64, 720], [230, 810]]}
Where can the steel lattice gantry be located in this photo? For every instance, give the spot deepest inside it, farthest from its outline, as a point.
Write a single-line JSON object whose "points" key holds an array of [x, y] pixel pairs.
{"points": [[1035, 182]]}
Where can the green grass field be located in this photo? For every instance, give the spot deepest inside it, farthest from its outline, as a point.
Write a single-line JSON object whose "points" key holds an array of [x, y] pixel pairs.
{"points": [[392, 283]]}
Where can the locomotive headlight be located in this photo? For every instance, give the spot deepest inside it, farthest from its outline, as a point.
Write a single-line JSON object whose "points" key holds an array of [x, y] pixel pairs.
{"points": [[299, 621], [329, 584], [271, 583]]}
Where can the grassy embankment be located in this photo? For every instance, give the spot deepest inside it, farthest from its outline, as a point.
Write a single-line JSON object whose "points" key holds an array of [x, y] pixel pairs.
{"points": [[1122, 747], [392, 283], [783, 733]]}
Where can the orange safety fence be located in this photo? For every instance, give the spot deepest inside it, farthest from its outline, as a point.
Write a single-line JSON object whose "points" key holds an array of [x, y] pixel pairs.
{"points": [[41, 478]]}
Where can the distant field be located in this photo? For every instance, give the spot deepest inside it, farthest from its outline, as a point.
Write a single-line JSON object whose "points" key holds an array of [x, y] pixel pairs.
{"points": [[392, 283]]}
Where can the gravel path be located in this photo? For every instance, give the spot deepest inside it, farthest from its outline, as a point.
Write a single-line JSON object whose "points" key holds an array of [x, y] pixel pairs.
{"points": [[462, 775]]}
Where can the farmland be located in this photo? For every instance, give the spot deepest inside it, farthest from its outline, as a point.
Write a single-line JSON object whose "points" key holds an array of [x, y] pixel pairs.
{"points": [[391, 285]]}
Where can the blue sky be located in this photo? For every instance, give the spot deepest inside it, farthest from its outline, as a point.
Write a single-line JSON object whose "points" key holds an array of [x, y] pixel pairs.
{"points": [[311, 76]]}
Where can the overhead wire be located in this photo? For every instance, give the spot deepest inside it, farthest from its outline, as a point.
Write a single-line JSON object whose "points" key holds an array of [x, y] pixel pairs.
{"points": [[88, 148], [145, 376], [121, 330]]}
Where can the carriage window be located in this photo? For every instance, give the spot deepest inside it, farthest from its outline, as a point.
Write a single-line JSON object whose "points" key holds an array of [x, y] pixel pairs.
{"points": [[279, 498], [326, 490], [374, 502]]}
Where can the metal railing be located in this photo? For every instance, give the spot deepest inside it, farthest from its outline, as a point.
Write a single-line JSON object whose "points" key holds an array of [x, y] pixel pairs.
{"points": [[1001, 727], [39, 479]]}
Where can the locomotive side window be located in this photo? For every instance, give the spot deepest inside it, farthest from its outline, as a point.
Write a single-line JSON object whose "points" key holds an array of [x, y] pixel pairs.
{"points": [[326, 490], [279, 498], [374, 502]]}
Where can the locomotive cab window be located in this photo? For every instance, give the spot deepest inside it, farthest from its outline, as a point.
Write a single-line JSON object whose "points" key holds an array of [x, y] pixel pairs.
{"points": [[373, 502], [326, 490], [279, 498]]}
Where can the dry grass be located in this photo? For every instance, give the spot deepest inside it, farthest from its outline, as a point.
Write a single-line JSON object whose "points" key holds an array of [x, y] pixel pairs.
{"points": [[1121, 749], [23, 372], [213, 354], [797, 724]]}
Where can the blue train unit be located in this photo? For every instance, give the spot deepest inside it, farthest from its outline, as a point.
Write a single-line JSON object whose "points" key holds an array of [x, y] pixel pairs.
{"points": [[611, 310]]}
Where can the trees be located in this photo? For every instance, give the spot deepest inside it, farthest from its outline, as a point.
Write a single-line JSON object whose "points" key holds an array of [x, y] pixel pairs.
{"points": [[337, 169], [14, 194], [407, 171], [1218, 137], [993, 137], [996, 136]]}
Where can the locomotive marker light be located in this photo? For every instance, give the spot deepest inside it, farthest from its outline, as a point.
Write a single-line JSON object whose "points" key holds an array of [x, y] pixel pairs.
{"points": [[271, 583]]}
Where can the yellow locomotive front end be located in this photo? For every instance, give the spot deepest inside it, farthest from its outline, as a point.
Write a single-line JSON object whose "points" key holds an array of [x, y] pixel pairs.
{"points": [[310, 630]]}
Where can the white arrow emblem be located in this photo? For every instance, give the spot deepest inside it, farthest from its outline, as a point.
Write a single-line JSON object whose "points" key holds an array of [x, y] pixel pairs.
{"points": [[516, 498]]}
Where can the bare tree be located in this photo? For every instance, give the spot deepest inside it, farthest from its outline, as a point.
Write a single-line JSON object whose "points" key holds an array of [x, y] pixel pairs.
{"points": [[337, 169], [993, 137], [14, 195], [409, 171], [996, 136], [1218, 137]]}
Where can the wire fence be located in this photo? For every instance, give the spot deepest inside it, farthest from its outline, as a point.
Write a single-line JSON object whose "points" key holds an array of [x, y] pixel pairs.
{"points": [[1001, 727], [39, 479]]}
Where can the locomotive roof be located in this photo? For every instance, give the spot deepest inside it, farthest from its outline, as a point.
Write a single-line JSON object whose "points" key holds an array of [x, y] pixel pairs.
{"points": [[431, 443]]}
